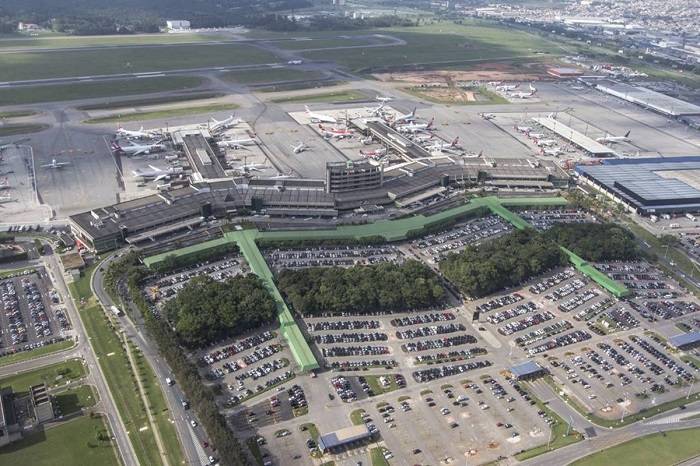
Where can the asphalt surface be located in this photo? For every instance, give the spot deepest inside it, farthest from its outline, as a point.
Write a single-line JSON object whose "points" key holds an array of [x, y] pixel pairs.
{"points": [[173, 394]]}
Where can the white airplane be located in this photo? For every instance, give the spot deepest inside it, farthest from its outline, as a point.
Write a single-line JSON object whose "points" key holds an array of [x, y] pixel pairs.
{"points": [[366, 141], [339, 133], [421, 138], [507, 87], [256, 167], [487, 116], [416, 127], [451, 147], [405, 118], [554, 151], [216, 126], [54, 164], [5, 199], [236, 143], [546, 142], [494, 83], [372, 154], [614, 139], [319, 117], [137, 149], [535, 135], [299, 148], [523, 129], [135, 134], [524, 95], [377, 111], [156, 173], [384, 99]]}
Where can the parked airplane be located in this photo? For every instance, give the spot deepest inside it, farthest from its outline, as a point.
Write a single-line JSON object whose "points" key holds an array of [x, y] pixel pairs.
{"points": [[487, 116], [421, 138], [614, 139], [383, 99], [494, 83], [524, 95], [523, 129], [546, 142], [135, 134], [440, 146], [372, 154], [507, 87], [377, 111], [416, 127], [336, 132], [5, 199], [535, 135], [54, 164], [256, 167], [319, 117], [237, 143], [156, 173], [216, 126], [554, 151], [405, 118], [301, 147], [137, 149]]}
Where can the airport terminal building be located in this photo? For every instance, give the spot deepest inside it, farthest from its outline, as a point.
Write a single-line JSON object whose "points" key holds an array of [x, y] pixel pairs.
{"points": [[648, 186]]}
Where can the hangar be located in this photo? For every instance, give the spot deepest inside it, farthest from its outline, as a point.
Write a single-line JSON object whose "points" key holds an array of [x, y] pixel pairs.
{"points": [[650, 185]]}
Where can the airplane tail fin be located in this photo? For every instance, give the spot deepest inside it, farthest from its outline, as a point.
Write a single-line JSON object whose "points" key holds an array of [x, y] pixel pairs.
{"points": [[455, 142], [430, 123], [627, 134], [306, 107]]}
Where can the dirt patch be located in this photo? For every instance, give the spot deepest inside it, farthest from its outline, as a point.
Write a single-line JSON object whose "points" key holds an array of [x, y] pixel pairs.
{"points": [[442, 94], [482, 72]]}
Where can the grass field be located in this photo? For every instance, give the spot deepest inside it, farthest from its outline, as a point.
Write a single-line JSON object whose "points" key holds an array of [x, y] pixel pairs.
{"points": [[661, 449], [270, 75], [95, 41], [74, 399], [345, 96], [35, 353], [161, 114], [53, 375], [17, 113], [376, 456], [57, 64], [80, 441], [319, 43], [121, 380], [12, 130], [356, 417], [92, 90], [378, 388], [130, 103], [442, 42]]}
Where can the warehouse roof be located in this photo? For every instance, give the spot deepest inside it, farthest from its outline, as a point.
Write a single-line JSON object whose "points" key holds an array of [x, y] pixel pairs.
{"points": [[657, 101], [343, 436], [526, 369], [685, 339]]}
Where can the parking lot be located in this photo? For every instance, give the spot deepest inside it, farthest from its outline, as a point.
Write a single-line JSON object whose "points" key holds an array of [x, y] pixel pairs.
{"points": [[31, 313], [545, 219], [342, 256], [432, 247], [246, 366], [165, 287]]}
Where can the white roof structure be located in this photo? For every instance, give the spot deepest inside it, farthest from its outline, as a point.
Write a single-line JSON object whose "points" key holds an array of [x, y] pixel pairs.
{"points": [[579, 139]]}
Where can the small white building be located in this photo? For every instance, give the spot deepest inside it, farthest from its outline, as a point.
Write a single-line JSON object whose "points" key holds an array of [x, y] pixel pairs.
{"points": [[177, 25], [27, 27]]}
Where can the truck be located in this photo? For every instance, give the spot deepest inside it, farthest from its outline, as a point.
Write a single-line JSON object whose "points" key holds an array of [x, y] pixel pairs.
{"points": [[690, 216], [116, 311]]}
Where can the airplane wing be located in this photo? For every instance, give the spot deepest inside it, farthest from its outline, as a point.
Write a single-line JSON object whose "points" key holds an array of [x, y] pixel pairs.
{"points": [[160, 177]]}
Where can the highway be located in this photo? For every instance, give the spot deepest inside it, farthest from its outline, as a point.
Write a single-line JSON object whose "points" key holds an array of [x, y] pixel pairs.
{"points": [[173, 395], [95, 377]]}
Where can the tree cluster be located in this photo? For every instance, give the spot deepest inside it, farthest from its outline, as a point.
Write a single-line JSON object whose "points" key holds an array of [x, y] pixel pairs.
{"points": [[362, 289], [200, 396], [595, 241], [504, 262], [205, 310]]}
